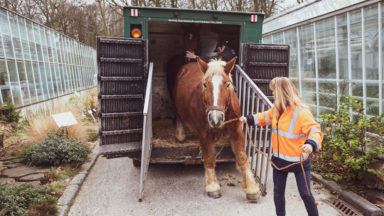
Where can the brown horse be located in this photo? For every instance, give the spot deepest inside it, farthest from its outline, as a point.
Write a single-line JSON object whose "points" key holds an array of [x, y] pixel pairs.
{"points": [[204, 99]]}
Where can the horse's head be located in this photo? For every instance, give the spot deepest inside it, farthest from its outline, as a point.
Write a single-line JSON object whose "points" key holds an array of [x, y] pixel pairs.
{"points": [[191, 41], [217, 89]]}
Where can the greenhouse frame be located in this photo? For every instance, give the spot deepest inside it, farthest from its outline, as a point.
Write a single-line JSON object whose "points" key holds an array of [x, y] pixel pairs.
{"points": [[39, 64], [336, 50]]}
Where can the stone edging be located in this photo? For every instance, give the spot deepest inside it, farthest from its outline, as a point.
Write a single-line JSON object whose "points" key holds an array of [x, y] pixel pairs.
{"points": [[65, 201], [363, 205]]}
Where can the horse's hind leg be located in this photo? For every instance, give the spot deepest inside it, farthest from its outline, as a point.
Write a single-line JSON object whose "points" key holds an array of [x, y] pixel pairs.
{"points": [[180, 133], [251, 188], [212, 186]]}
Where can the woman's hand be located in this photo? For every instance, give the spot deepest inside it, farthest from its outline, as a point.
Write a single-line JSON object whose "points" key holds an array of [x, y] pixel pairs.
{"points": [[307, 148], [190, 55], [243, 119]]}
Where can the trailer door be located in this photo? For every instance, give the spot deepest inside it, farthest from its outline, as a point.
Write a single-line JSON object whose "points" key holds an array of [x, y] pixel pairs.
{"points": [[263, 62], [122, 74]]}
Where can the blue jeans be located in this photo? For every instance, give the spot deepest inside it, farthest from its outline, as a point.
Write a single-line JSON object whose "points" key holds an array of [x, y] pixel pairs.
{"points": [[280, 181]]}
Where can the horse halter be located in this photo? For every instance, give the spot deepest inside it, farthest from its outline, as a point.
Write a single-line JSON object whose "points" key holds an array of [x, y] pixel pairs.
{"points": [[212, 108]]}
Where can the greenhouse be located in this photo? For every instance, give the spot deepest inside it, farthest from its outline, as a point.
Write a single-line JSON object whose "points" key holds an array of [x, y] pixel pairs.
{"points": [[38, 63], [336, 49]]}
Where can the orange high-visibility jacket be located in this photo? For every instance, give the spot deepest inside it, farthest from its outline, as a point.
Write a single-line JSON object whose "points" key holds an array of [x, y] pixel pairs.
{"points": [[295, 127]]}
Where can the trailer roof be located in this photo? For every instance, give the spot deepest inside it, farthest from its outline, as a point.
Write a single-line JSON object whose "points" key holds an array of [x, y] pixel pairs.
{"points": [[193, 10]]}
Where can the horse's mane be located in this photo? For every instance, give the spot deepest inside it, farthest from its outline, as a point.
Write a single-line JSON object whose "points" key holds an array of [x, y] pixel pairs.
{"points": [[215, 67]]}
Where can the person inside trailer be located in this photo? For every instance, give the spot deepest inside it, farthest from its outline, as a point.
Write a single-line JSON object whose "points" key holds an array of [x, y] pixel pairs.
{"points": [[223, 49]]}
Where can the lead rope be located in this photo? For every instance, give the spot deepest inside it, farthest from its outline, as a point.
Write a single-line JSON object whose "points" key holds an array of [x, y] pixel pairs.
{"points": [[302, 160]]}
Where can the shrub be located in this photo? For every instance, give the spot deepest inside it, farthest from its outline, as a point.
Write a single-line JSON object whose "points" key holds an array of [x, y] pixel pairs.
{"points": [[347, 150], [8, 113], [56, 150], [41, 122], [26, 199]]}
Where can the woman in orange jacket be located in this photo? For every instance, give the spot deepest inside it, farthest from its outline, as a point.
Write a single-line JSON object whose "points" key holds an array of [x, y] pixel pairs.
{"points": [[293, 130]]}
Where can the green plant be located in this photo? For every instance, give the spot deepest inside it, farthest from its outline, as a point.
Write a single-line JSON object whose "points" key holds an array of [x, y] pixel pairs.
{"points": [[8, 113], [55, 150], [345, 155], [26, 199]]}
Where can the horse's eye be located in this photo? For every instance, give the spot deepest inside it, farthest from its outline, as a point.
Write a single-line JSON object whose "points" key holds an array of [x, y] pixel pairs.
{"points": [[205, 85]]}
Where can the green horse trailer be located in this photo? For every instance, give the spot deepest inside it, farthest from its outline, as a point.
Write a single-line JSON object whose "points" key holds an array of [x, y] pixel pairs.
{"points": [[136, 113]]}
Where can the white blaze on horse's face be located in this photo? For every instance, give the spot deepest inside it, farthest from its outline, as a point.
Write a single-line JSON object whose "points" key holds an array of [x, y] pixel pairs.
{"points": [[214, 98], [216, 117]]}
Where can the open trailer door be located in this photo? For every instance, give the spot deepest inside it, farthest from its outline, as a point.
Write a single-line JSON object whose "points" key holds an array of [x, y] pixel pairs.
{"points": [[263, 62], [125, 100], [260, 63], [122, 74]]}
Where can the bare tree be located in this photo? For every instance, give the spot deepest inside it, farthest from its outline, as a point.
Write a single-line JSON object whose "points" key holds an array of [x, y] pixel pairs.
{"points": [[103, 10]]}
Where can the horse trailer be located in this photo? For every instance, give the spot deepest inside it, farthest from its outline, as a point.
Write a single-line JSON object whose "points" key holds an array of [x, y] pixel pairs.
{"points": [[136, 113]]}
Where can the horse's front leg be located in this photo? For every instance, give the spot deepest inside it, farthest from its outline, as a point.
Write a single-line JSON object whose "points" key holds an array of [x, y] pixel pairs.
{"points": [[212, 186], [251, 188]]}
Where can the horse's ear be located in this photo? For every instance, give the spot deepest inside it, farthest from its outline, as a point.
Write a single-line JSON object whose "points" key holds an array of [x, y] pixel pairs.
{"points": [[230, 65], [202, 64]]}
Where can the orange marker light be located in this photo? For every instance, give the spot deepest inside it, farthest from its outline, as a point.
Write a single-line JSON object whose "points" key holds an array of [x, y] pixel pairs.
{"points": [[136, 33]]}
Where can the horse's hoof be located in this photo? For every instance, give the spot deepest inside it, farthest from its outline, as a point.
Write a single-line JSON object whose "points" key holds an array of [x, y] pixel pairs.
{"points": [[215, 194], [252, 198]]}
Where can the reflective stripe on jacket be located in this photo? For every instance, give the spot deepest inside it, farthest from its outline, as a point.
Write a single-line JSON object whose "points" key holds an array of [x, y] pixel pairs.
{"points": [[296, 125]]}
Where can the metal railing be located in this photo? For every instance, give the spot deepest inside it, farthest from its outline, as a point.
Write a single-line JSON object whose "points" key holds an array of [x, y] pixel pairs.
{"points": [[253, 100], [147, 133]]}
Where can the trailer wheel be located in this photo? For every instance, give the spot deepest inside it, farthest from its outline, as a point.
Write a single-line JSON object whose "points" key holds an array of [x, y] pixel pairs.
{"points": [[136, 162]]}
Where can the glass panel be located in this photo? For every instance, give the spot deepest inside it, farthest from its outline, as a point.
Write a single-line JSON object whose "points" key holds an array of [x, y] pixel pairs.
{"points": [[23, 82], [8, 48], [326, 48], [371, 58], [13, 22], [44, 80], [31, 84], [2, 55], [342, 40], [4, 84], [307, 51], [267, 40], [309, 92], [356, 44], [54, 81], [373, 99], [15, 88], [382, 49], [49, 80], [327, 94], [278, 38], [4, 28], [291, 40], [308, 64], [39, 85]]}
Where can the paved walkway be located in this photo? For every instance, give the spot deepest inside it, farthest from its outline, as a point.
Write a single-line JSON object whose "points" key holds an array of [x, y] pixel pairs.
{"points": [[111, 189]]}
